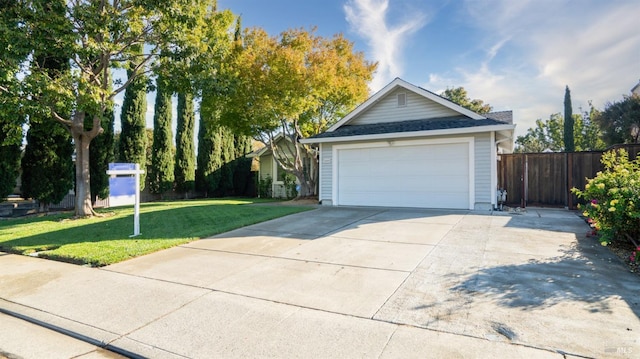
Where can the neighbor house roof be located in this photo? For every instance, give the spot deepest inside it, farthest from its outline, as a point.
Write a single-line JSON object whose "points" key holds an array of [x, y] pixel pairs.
{"points": [[502, 116]]}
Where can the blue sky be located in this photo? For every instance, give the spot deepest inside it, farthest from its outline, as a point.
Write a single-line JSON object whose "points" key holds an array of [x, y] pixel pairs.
{"points": [[513, 54]]}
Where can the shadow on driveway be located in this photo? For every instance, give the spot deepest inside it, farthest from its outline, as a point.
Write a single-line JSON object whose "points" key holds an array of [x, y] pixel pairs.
{"points": [[586, 273]]}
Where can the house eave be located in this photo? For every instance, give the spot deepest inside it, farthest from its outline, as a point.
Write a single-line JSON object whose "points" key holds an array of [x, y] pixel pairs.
{"points": [[409, 134]]}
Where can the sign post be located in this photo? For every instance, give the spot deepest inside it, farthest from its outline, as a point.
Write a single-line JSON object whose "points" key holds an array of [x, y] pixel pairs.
{"points": [[125, 189]]}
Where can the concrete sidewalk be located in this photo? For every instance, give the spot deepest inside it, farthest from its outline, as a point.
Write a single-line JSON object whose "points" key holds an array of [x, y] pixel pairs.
{"points": [[350, 282]]}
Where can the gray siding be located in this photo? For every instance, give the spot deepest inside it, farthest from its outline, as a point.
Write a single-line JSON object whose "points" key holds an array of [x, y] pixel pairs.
{"points": [[417, 108], [326, 173], [483, 169]]}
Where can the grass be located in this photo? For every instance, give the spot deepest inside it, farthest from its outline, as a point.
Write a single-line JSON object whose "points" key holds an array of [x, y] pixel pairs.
{"points": [[101, 241]]}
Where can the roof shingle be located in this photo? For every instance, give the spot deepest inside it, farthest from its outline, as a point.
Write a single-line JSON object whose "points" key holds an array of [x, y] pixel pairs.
{"points": [[409, 126]]}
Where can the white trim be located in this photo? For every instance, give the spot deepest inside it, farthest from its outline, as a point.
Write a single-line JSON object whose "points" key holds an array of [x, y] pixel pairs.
{"points": [[469, 140], [400, 135], [398, 82], [320, 159], [494, 170]]}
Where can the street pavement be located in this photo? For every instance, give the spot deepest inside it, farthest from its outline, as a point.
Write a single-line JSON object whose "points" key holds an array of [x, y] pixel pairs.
{"points": [[339, 282]]}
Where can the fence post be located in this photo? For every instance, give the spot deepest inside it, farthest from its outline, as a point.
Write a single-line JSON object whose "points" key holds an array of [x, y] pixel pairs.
{"points": [[569, 180]]}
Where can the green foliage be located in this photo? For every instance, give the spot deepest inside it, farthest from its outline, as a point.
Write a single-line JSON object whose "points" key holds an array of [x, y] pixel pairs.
{"points": [[243, 177], [459, 96], [11, 112], [297, 83], [614, 198], [265, 187], [99, 36], [101, 153], [209, 153], [47, 166], [568, 133], [9, 165], [184, 171], [620, 121], [243, 145], [549, 134], [133, 138], [289, 182], [161, 174]]}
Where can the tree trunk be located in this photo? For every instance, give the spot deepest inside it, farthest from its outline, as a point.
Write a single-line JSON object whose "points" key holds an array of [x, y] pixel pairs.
{"points": [[83, 207]]}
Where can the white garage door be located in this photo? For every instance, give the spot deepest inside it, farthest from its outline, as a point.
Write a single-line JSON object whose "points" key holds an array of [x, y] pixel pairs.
{"points": [[410, 175]]}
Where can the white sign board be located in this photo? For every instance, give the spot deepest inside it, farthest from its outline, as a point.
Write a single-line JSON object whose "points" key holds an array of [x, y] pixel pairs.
{"points": [[124, 189]]}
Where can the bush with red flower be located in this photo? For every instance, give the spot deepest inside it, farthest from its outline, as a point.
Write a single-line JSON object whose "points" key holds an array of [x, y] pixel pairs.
{"points": [[613, 196]]}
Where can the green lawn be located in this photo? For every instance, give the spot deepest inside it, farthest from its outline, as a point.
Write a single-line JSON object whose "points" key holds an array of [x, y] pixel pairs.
{"points": [[105, 240]]}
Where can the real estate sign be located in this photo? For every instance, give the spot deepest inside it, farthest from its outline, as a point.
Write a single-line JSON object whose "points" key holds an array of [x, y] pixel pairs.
{"points": [[124, 189]]}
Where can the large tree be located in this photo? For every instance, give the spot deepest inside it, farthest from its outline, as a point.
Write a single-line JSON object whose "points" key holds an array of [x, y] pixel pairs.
{"points": [[133, 138], [459, 96], [620, 121], [161, 170], [569, 140], [98, 36], [296, 84]]}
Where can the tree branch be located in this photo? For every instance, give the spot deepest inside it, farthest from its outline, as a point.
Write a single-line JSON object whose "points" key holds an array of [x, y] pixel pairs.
{"points": [[60, 119]]}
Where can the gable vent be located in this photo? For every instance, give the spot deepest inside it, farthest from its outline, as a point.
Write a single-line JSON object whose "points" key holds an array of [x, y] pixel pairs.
{"points": [[402, 99]]}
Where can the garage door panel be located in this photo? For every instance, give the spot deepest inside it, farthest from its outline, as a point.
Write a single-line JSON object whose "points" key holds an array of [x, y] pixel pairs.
{"points": [[429, 175]]}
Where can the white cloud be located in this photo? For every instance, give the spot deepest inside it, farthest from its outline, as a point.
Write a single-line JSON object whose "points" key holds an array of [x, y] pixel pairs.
{"points": [[368, 18], [537, 47]]}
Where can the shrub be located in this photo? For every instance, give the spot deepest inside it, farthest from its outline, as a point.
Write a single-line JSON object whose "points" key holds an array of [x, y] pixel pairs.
{"points": [[265, 187], [613, 198], [290, 185]]}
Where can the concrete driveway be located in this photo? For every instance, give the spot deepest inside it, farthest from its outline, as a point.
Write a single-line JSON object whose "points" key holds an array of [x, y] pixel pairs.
{"points": [[351, 282]]}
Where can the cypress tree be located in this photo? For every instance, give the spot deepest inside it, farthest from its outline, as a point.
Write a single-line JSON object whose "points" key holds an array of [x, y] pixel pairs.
{"points": [[133, 140], [101, 153], [162, 165], [228, 155], [209, 152], [243, 145], [185, 152], [569, 143], [47, 165], [9, 165]]}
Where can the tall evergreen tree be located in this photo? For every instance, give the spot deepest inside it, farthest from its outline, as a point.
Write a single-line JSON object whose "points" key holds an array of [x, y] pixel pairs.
{"points": [[209, 151], [228, 155], [11, 120], [162, 161], [9, 165], [47, 165], [133, 140], [185, 152], [243, 145], [101, 153], [569, 141]]}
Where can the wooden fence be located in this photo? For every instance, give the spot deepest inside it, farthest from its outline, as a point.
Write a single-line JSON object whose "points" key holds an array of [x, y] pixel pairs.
{"points": [[546, 179]]}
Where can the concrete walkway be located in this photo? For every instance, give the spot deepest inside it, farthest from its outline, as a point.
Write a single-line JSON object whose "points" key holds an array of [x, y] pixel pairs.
{"points": [[343, 283]]}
